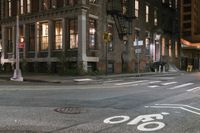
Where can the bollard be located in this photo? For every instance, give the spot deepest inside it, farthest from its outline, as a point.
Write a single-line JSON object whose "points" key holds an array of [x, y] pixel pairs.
{"points": [[159, 68], [156, 70], [164, 69]]}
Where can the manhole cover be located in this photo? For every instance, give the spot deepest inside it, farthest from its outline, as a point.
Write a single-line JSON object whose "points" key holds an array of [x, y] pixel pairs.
{"points": [[69, 110]]}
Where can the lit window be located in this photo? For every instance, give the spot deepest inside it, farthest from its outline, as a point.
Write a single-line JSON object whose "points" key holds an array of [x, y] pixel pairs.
{"points": [[93, 1], [155, 17], [92, 33], [163, 46], [176, 49], [21, 6], [44, 42], [45, 4], [58, 35], [28, 6], [147, 13], [73, 33], [170, 3], [53, 3], [9, 8], [136, 8], [170, 48], [110, 32]]}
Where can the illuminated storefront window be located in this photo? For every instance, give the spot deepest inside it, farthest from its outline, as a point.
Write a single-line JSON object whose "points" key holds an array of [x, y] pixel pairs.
{"points": [[58, 35], [163, 46], [73, 33], [170, 48], [92, 33], [44, 36]]}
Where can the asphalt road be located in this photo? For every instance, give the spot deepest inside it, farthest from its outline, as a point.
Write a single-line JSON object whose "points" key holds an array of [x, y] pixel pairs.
{"points": [[156, 104]]}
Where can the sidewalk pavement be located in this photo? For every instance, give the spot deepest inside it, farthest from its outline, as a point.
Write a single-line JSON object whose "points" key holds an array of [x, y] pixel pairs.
{"points": [[51, 78]]}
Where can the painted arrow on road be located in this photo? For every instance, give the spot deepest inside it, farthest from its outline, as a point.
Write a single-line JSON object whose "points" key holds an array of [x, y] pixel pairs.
{"points": [[184, 107]]}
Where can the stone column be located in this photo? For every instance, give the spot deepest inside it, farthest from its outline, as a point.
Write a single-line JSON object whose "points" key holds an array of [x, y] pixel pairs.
{"points": [[82, 34], [64, 34], [3, 51], [51, 42], [37, 41], [13, 41]]}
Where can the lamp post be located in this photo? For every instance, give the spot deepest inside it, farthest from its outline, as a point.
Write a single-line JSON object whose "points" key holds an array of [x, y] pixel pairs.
{"points": [[17, 76]]}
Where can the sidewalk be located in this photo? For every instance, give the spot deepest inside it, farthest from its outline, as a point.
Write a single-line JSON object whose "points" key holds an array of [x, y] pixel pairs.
{"points": [[51, 78]]}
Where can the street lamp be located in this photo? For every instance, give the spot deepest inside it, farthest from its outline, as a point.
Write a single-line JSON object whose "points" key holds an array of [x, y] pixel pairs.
{"points": [[17, 76]]}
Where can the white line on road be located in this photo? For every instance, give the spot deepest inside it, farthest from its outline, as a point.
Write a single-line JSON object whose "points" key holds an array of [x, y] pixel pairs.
{"points": [[193, 89], [127, 83], [152, 82], [111, 81], [169, 83], [153, 86], [179, 86], [179, 105]]}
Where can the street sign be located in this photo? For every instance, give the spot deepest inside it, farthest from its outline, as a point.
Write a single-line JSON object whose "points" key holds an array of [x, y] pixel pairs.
{"points": [[106, 37]]}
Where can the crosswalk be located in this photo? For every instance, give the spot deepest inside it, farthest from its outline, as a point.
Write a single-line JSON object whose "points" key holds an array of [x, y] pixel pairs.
{"points": [[171, 85]]}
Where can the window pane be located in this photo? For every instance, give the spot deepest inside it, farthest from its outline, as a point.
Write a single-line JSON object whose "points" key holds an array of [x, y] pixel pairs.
{"points": [[58, 35]]}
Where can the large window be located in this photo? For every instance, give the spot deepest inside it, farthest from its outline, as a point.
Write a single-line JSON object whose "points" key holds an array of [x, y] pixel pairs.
{"points": [[58, 35], [21, 6], [44, 36], [136, 8], [147, 13], [110, 32], [9, 8], [170, 48], [155, 17], [9, 41], [73, 30], [28, 6], [45, 4], [163, 46], [92, 33], [31, 46]]}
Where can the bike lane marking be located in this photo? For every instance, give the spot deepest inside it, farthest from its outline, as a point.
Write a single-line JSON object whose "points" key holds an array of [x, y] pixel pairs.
{"points": [[184, 107], [146, 122]]}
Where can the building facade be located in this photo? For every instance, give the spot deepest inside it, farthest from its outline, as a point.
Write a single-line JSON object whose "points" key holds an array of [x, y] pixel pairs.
{"points": [[190, 33], [68, 34]]}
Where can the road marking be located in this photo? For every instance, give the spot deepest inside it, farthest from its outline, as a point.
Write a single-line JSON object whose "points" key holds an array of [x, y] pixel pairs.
{"points": [[82, 80], [193, 89], [179, 86], [169, 83], [127, 83], [184, 107], [152, 82], [153, 86], [111, 81]]}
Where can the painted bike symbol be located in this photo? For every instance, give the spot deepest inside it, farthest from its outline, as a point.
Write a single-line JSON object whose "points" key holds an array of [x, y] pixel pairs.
{"points": [[146, 122]]}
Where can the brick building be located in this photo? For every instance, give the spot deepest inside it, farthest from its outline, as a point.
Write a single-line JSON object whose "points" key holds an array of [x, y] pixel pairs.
{"points": [[68, 34], [190, 33]]}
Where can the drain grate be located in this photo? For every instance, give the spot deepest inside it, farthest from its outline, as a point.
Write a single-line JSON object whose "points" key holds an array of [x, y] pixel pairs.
{"points": [[69, 110]]}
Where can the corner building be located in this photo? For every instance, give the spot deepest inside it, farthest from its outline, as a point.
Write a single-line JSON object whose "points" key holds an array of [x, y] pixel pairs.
{"points": [[69, 33]]}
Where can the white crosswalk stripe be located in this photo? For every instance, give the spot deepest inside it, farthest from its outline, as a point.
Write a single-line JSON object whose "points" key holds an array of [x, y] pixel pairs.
{"points": [[194, 89], [169, 83], [180, 86], [128, 83], [153, 86]]}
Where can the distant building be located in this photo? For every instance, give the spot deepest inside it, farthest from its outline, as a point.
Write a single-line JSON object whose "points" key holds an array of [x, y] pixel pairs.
{"points": [[190, 33], [68, 34]]}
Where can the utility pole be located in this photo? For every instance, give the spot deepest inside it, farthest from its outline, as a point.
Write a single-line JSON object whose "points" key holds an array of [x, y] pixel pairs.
{"points": [[17, 76]]}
